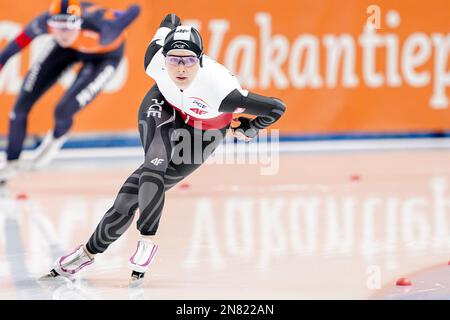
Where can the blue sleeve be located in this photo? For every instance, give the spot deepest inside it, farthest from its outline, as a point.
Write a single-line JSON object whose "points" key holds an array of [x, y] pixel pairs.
{"points": [[111, 29], [38, 26]]}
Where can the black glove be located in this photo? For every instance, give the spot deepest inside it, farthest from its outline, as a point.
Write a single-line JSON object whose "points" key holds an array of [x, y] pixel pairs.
{"points": [[245, 128], [113, 28], [171, 21]]}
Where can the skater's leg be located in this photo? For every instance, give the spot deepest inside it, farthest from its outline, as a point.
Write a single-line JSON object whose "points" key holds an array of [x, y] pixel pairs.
{"points": [[155, 130], [157, 121], [174, 173], [115, 222], [93, 76], [42, 75], [91, 80], [117, 219]]}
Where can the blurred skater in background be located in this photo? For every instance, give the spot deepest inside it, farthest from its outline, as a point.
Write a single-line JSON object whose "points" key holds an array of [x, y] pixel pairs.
{"points": [[82, 32], [194, 98]]}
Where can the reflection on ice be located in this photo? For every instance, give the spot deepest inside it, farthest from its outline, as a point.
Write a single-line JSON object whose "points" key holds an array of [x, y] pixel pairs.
{"points": [[273, 237]]}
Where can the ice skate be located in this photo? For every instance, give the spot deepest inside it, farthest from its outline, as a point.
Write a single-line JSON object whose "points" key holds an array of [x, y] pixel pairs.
{"points": [[52, 282], [9, 171], [47, 150], [69, 265], [140, 261]]}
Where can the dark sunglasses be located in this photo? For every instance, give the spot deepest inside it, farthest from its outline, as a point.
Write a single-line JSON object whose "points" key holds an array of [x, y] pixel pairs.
{"points": [[188, 61]]}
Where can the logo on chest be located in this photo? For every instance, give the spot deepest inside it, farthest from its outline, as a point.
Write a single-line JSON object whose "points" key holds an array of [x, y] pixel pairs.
{"points": [[198, 106], [155, 109]]}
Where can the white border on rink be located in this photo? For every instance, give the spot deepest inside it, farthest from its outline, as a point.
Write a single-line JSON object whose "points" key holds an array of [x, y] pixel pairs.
{"points": [[366, 145], [284, 147], [325, 146]]}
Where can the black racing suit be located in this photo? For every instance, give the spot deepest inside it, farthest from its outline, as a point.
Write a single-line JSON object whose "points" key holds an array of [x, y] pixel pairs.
{"points": [[163, 128]]}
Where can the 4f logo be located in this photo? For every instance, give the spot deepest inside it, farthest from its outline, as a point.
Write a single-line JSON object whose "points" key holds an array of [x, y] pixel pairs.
{"points": [[155, 109], [157, 161], [198, 111], [201, 106]]}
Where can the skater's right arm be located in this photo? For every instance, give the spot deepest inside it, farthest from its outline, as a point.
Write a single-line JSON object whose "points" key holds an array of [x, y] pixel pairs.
{"points": [[35, 28], [170, 22]]}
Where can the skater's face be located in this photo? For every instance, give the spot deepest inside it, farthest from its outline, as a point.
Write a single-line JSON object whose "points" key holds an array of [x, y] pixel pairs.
{"points": [[182, 67], [65, 28], [65, 37]]}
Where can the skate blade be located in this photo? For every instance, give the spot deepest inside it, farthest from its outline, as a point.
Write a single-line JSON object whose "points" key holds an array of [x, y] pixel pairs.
{"points": [[51, 275], [4, 190], [48, 276], [52, 283], [136, 280]]}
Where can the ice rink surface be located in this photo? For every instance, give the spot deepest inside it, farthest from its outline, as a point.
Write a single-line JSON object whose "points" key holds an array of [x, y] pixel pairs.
{"points": [[338, 225]]}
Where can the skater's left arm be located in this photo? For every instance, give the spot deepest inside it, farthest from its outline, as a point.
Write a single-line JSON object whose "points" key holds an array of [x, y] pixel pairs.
{"points": [[266, 109], [170, 22], [35, 28]]}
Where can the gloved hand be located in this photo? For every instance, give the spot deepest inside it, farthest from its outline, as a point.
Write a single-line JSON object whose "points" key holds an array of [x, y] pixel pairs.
{"points": [[134, 10], [171, 21], [244, 131], [113, 28]]}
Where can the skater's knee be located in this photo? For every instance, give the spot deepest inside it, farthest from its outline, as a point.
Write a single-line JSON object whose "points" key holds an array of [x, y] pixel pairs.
{"points": [[63, 122], [156, 177], [62, 114], [23, 106], [125, 206], [171, 180], [151, 193], [18, 114]]}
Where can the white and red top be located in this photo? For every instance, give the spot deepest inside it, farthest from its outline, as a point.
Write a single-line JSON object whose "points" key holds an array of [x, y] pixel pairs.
{"points": [[199, 103]]}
